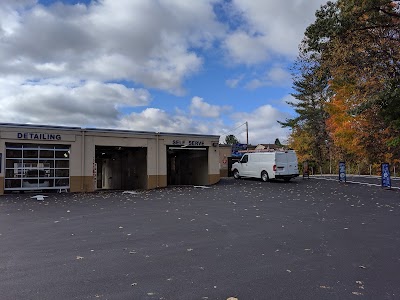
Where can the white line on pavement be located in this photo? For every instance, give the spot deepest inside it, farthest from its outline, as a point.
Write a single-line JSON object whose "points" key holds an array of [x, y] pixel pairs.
{"points": [[357, 182]]}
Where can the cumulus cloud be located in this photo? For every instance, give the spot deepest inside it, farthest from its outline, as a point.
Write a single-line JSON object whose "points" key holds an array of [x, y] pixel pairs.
{"points": [[270, 29], [263, 125], [158, 120], [246, 49], [276, 76], [69, 103], [234, 82], [199, 107], [149, 42]]}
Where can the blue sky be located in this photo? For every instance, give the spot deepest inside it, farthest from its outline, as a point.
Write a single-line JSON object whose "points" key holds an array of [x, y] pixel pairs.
{"points": [[204, 66]]}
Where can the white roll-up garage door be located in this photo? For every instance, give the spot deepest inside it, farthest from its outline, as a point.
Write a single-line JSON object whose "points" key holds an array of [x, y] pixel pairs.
{"points": [[37, 167]]}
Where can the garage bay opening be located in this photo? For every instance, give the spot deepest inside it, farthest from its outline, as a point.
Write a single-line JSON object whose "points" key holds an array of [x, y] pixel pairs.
{"points": [[121, 168], [187, 165]]}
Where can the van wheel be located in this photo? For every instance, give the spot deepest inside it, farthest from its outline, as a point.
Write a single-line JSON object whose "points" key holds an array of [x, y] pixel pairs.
{"points": [[264, 176], [236, 174]]}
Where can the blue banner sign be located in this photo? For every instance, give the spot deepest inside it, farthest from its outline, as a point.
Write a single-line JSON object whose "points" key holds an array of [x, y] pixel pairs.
{"points": [[238, 147], [386, 182], [1, 159], [342, 171]]}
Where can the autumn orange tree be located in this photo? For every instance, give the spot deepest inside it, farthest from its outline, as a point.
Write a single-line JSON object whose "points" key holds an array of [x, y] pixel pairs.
{"points": [[354, 50], [364, 58]]}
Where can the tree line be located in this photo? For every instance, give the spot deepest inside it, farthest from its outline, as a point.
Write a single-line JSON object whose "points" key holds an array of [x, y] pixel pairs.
{"points": [[347, 86]]}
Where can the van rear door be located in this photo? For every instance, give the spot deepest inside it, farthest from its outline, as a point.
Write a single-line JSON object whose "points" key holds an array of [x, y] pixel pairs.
{"points": [[286, 163], [281, 163], [292, 165]]}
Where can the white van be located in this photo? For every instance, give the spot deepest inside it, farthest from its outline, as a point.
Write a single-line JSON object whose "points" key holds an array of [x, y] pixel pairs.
{"points": [[267, 165]]}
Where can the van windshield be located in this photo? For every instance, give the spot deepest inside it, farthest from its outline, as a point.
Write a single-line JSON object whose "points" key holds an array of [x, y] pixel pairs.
{"points": [[244, 159]]}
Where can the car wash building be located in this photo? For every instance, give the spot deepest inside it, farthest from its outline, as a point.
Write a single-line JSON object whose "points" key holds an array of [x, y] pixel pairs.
{"points": [[36, 157]]}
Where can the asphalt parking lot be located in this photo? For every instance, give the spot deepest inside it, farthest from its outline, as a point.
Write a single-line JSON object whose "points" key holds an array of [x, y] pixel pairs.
{"points": [[363, 179], [306, 239]]}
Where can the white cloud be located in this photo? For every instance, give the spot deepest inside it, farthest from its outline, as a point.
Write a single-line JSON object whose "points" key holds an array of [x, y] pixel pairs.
{"points": [[289, 98], [271, 29], [234, 82], [148, 42], [263, 125], [66, 102], [276, 76], [246, 49], [158, 120], [200, 108]]}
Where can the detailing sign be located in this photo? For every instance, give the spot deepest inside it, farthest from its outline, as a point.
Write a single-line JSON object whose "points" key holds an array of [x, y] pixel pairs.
{"points": [[386, 182], [38, 136], [51, 136], [342, 171]]}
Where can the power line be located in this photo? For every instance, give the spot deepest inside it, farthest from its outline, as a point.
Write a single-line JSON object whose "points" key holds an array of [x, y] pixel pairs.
{"points": [[231, 131], [237, 127]]}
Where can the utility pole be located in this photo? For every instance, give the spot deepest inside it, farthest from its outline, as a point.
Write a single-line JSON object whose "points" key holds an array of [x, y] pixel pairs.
{"points": [[247, 134]]}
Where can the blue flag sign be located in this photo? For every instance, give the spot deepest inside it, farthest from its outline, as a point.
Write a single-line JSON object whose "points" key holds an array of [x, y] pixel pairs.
{"points": [[238, 147], [1, 159], [386, 182], [342, 171]]}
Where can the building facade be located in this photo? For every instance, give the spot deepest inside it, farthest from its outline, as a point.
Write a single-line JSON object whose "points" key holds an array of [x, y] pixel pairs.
{"points": [[225, 153], [35, 157]]}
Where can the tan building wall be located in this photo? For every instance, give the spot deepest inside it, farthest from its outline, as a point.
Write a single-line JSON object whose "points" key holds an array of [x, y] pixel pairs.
{"points": [[223, 173], [157, 164], [213, 160], [83, 143], [225, 151], [213, 178], [82, 184], [152, 182]]}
